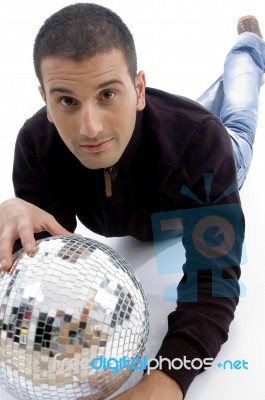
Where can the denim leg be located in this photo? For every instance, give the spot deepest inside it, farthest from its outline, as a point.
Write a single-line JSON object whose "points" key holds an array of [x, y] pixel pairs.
{"points": [[233, 97]]}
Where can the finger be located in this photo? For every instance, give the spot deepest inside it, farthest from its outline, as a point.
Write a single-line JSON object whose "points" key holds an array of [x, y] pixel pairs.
{"points": [[6, 249], [54, 228], [26, 234]]}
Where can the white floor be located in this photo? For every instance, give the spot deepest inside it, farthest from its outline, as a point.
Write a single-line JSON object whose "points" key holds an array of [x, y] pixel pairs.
{"points": [[184, 57]]}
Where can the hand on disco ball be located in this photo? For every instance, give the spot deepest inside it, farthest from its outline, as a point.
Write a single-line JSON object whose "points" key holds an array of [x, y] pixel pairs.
{"points": [[20, 219], [69, 314]]}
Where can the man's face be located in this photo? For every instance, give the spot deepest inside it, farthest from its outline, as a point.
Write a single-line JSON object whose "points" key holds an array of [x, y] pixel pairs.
{"points": [[93, 105]]}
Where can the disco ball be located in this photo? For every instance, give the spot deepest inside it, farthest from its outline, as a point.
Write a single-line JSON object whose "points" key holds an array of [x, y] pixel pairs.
{"points": [[70, 314]]}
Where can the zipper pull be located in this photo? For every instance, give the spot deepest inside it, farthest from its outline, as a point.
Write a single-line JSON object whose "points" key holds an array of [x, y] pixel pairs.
{"points": [[108, 188]]}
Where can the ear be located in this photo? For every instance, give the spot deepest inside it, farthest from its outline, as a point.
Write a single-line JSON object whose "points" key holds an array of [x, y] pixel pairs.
{"points": [[140, 83], [42, 92]]}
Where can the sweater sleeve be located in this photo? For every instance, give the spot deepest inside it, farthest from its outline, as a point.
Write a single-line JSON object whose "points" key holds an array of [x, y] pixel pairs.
{"points": [[36, 166], [213, 232]]}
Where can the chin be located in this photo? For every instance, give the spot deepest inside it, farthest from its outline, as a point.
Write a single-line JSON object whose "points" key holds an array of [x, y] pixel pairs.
{"points": [[98, 164]]}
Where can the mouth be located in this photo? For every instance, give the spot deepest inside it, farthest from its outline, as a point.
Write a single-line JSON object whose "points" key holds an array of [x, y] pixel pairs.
{"points": [[96, 147]]}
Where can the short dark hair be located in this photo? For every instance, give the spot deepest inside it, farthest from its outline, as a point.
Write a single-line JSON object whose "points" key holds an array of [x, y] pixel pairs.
{"points": [[84, 30]]}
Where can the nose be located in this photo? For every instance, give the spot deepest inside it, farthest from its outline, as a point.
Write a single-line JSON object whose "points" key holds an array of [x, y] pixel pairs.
{"points": [[90, 124]]}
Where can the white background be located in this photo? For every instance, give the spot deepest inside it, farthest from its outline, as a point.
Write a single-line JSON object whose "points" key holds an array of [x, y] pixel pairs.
{"points": [[181, 47]]}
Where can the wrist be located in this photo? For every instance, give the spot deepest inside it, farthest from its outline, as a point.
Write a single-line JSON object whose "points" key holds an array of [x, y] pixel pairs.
{"points": [[160, 381]]}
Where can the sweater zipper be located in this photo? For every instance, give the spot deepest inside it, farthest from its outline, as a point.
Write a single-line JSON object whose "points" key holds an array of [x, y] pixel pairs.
{"points": [[108, 185], [110, 175]]}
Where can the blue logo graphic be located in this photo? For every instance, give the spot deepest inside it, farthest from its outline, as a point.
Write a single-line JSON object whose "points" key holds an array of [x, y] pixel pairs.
{"points": [[208, 237], [233, 365]]}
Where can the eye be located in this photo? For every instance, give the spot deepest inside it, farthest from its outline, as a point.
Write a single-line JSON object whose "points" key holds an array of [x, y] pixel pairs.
{"points": [[67, 101], [108, 95]]}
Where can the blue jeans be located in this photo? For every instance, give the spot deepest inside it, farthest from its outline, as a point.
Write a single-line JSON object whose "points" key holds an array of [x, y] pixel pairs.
{"points": [[234, 97]]}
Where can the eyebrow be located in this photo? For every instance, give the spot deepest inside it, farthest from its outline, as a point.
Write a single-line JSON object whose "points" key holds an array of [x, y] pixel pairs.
{"points": [[102, 85], [61, 90], [108, 83]]}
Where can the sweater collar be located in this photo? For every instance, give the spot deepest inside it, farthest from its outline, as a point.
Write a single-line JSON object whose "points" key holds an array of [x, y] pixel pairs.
{"points": [[134, 144]]}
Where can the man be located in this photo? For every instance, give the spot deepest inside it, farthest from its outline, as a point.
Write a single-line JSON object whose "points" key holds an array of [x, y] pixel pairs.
{"points": [[113, 152]]}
